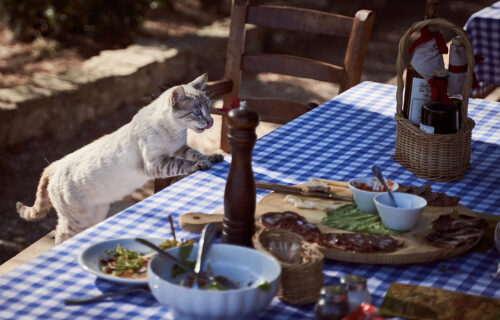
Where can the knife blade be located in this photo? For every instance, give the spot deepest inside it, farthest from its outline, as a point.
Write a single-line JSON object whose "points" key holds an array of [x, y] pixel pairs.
{"points": [[281, 188]]}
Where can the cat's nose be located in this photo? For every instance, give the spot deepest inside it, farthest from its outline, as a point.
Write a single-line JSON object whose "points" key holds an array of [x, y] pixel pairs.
{"points": [[210, 123]]}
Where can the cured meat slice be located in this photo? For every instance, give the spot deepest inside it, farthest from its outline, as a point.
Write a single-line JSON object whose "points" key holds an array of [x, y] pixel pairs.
{"points": [[434, 199], [451, 230], [360, 242], [270, 219], [447, 222], [293, 222]]}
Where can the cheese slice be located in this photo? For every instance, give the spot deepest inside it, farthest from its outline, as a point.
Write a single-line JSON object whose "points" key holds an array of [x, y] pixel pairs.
{"points": [[308, 204]]}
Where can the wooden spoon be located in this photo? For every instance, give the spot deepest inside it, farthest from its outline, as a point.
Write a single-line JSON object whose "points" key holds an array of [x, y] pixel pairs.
{"points": [[196, 221]]}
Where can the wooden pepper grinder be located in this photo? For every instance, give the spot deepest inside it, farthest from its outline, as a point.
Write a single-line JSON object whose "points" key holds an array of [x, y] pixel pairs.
{"points": [[239, 198]]}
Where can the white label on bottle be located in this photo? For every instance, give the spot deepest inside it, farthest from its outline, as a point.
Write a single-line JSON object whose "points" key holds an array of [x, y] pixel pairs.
{"points": [[427, 129], [420, 94]]}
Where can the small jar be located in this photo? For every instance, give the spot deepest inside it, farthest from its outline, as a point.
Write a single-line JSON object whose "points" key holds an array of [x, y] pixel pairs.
{"points": [[332, 303], [357, 292], [439, 118]]}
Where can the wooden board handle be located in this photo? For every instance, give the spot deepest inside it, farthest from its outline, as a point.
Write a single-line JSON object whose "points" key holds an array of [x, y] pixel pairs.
{"points": [[195, 221]]}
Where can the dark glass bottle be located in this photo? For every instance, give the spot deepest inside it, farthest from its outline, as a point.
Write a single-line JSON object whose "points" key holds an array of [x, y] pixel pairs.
{"points": [[417, 89], [441, 115]]}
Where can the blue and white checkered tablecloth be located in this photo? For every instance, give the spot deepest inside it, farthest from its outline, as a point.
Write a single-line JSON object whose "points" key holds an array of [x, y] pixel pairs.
{"points": [[483, 31], [338, 140]]}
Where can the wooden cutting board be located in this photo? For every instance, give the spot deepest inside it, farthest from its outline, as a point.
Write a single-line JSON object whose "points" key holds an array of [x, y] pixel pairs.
{"points": [[415, 250]]}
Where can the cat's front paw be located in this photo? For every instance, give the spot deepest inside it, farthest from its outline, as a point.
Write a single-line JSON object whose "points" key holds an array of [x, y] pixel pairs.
{"points": [[216, 157], [202, 165]]}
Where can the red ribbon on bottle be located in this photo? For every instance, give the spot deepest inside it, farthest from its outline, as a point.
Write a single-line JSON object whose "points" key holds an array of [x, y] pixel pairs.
{"points": [[463, 68], [438, 90], [427, 35]]}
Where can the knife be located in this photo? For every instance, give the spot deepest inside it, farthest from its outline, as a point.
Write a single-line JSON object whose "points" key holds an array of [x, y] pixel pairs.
{"points": [[280, 188]]}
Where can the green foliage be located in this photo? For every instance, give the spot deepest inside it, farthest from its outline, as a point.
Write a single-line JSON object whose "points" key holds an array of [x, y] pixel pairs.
{"points": [[60, 19]]}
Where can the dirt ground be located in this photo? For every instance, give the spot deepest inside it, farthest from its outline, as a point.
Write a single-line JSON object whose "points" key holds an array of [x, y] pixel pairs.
{"points": [[21, 165]]}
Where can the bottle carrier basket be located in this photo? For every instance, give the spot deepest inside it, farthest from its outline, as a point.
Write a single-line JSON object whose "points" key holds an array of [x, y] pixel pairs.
{"points": [[436, 157]]}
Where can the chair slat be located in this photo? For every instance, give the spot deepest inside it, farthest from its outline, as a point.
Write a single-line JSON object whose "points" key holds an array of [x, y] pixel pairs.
{"points": [[276, 110], [217, 89], [292, 66], [298, 19]]}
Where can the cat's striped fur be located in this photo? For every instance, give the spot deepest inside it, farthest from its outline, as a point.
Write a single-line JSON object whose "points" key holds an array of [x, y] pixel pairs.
{"points": [[81, 185]]}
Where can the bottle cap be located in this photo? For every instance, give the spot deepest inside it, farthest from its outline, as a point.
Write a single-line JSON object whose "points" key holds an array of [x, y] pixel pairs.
{"points": [[354, 282], [440, 73]]}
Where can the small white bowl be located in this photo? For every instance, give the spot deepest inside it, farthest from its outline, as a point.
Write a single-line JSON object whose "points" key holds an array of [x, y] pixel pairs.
{"points": [[249, 267], [364, 198], [405, 216]]}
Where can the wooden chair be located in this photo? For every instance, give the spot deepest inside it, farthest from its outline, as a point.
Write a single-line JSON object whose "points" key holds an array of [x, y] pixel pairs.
{"points": [[356, 29]]}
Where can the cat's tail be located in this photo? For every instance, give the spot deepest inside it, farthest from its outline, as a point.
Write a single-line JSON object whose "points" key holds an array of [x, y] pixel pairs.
{"points": [[42, 203]]}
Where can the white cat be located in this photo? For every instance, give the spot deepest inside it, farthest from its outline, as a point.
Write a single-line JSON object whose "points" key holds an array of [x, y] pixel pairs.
{"points": [[82, 185]]}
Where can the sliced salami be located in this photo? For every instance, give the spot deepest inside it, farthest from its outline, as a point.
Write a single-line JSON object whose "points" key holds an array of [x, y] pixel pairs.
{"points": [[360, 242], [293, 222]]}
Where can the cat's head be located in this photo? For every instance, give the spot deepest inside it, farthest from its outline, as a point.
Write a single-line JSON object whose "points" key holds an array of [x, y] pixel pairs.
{"points": [[191, 106]]}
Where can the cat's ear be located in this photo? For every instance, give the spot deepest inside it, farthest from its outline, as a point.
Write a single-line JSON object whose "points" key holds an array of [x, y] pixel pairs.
{"points": [[177, 94], [199, 83]]}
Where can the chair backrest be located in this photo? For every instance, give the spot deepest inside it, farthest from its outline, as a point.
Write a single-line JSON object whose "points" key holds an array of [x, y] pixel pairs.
{"points": [[357, 29]]}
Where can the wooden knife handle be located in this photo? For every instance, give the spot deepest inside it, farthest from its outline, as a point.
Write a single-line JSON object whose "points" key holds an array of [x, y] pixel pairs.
{"points": [[277, 187], [195, 221]]}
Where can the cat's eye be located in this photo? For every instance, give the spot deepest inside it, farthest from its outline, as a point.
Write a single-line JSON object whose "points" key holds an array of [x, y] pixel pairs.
{"points": [[196, 112]]}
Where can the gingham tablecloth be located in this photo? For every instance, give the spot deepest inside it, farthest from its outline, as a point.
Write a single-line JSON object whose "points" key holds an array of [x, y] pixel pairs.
{"points": [[338, 140], [483, 31]]}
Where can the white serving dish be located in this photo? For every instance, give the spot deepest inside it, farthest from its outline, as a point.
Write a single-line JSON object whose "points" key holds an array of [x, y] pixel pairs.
{"points": [[405, 216], [248, 267], [364, 198]]}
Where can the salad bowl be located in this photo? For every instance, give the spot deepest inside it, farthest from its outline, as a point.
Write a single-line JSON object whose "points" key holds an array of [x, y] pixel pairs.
{"points": [[257, 274]]}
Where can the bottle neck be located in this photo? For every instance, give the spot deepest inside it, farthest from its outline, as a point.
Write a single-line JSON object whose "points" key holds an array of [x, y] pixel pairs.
{"points": [[439, 86]]}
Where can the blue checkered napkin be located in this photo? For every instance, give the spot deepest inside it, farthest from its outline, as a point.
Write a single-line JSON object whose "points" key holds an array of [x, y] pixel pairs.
{"points": [[483, 31], [338, 140]]}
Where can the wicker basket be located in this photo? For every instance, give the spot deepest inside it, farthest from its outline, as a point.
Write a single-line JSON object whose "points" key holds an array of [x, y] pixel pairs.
{"points": [[302, 280], [437, 157]]}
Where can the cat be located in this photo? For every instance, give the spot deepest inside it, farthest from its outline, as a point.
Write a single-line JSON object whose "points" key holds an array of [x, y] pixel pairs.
{"points": [[81, 185]]}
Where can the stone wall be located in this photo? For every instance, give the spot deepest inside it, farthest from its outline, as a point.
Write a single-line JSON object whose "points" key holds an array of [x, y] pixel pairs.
{"points": [[56, 105]]}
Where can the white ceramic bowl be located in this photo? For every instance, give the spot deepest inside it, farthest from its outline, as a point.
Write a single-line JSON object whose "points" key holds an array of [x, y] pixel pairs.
{"points": [[405, 216], [248, 267], [364, 198]]}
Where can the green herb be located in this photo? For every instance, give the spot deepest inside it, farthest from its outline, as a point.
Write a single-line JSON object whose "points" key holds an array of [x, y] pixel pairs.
{"points": [[176, 270], [125, 260], [349, 217], [185, 251], [183, 254], [171, 243], [264, 286]]}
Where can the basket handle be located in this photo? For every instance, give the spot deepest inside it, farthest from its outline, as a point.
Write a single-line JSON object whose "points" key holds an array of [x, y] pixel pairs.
{"points": [[400, 65]]}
